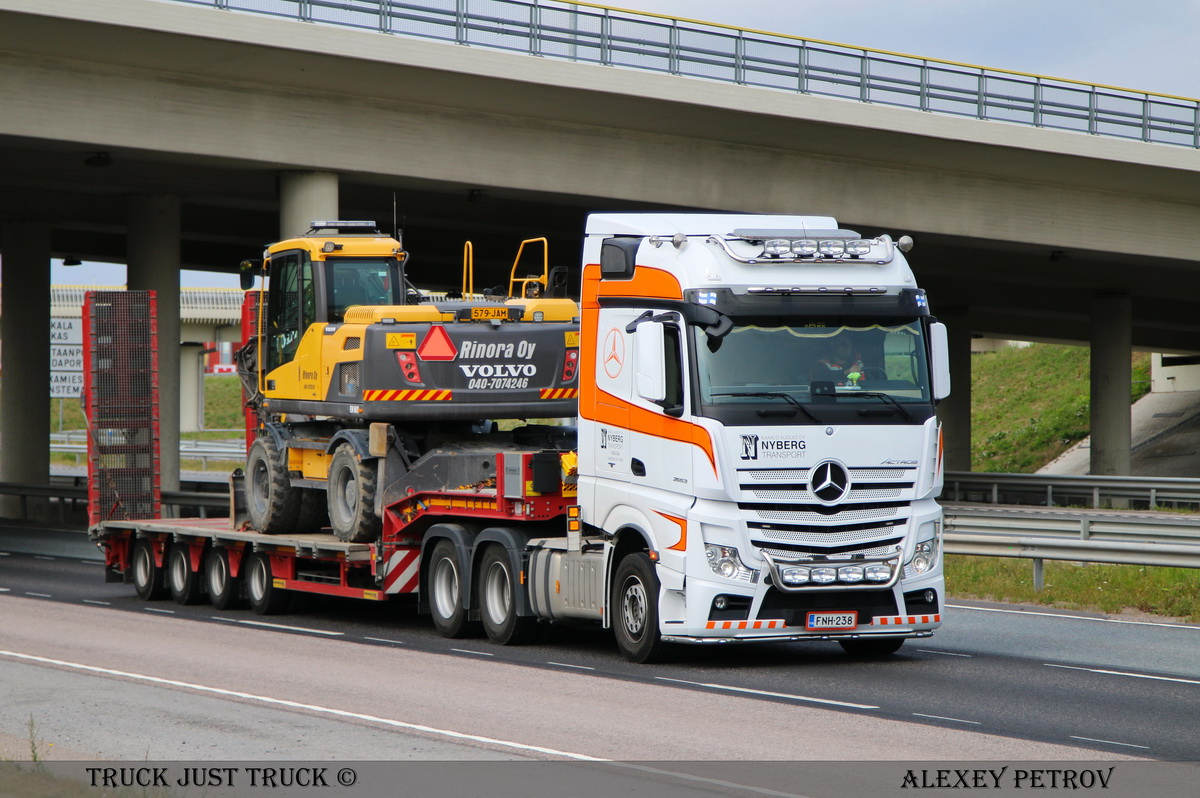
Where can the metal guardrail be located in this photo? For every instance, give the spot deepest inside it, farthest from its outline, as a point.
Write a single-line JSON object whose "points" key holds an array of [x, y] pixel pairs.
{"points": [[75, 442], [597, 34], [1094, 536], [1061, 490]]}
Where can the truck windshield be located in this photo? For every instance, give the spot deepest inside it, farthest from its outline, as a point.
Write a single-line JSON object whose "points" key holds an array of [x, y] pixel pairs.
{"points": [[764, 362]]}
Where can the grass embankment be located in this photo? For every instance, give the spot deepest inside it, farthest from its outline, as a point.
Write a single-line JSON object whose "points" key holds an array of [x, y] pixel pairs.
{"points": [[1028, 406]]}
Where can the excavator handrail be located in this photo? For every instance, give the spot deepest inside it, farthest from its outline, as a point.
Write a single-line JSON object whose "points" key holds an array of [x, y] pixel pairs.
{"points": [[544, 280]]}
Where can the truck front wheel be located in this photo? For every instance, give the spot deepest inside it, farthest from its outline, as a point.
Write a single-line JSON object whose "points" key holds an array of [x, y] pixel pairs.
{"points": [[271, 501], [498, 601], [636, 603], [351, 496]]}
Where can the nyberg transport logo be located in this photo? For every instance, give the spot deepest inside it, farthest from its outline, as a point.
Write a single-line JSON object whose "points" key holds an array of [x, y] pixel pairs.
{"points": [[755, 447]]}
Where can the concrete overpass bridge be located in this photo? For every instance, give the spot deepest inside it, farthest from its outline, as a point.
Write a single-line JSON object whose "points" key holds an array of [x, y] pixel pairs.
{"points": [[187, 133]]}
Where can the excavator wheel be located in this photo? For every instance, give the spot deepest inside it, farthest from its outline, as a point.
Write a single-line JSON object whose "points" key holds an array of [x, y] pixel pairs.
{"points": [[271, 501], [351, 496]]}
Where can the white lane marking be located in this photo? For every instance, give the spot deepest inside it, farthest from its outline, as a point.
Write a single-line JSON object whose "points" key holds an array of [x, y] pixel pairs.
{"points": [[952, 720], [769, 694], [156, 609], [476, 653], [341, 713], [1074, 617], [38, 595], [1130, 674], [101, 603], [569, 665], [287, 628], [945, 653], [5, 589], [44, 557], [4, 553], [1110, 742], [384, 640]]}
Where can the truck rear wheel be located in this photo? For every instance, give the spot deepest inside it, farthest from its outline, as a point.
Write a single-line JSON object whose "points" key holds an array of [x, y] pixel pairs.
{"points": [[147, 575], [264, 597], [186, 585], [351, 496], [498, 601], [224, 590], [636, 618], [446, 587], [271, 501]]}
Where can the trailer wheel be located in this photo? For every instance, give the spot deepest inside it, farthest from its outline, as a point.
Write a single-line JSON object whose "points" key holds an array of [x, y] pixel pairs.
{"points": [[147, 575], [264, 597], [186, 585], [446, 587], [271, 501], [351, 496], [872, 647], [224, 591], [636, 600], [498, 602]]}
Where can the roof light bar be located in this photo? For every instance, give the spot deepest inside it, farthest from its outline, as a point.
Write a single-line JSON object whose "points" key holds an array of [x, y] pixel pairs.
{"points": [[817, 246]]}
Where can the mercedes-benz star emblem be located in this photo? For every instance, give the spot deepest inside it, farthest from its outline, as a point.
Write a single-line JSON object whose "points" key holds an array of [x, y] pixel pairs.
{"points": [[829, 482]]}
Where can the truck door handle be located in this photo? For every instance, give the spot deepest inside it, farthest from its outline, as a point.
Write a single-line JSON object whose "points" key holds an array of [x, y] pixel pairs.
{"points": [[637, 467]]}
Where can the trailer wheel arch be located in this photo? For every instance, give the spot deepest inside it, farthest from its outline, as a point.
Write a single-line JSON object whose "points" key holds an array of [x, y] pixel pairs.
{"points": [[463, 538], [515, 543]]}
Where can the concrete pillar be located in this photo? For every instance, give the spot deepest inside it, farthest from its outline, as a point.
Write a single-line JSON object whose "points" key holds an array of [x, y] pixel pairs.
{"points": [[955, 411], [191, 387], [305, 197], [152, 255], [1111, 383], [25, 375]]}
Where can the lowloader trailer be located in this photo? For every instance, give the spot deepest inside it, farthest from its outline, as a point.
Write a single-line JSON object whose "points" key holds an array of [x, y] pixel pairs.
{"points": [[755, 457]]}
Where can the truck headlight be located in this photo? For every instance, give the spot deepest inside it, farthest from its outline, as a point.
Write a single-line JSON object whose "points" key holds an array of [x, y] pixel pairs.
{"points": [[925, 558], [726, 562]]}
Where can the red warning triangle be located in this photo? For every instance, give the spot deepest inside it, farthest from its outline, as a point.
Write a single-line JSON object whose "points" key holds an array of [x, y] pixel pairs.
{"points": [[437, 345]]}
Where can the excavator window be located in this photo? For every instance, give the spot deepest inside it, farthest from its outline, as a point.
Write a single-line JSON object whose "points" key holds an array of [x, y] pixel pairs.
{"points": [[291, 306], [359, 281]]}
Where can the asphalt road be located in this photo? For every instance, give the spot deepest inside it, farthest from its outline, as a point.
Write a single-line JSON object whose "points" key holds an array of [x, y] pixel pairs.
{"points": [[103, 674]]}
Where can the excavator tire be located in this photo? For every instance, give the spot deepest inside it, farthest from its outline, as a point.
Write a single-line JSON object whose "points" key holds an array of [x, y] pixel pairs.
{"points": [[351, 496], [271, 501]]}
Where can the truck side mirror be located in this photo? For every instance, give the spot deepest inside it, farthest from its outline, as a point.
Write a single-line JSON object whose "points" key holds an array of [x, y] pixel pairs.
{"points": [[650, 375], [939, 365], [247, 271]]}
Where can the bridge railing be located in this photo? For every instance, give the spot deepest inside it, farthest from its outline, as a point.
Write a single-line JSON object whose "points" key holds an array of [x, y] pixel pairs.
{"points": [[615, 37]]}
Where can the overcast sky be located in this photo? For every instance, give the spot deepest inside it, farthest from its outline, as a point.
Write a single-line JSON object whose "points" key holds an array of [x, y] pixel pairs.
{"points": [[1149, 45]]}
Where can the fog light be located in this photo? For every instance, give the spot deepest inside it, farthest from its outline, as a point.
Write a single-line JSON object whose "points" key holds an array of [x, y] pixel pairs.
{"points": [[832, 248], [777, 247], [721, 602], [878, 573], [851, 574], [823, 576], [794, 576]]}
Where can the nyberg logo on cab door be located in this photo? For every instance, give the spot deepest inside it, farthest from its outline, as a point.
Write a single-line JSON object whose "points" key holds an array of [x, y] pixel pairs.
{"points": [[755, 447]]}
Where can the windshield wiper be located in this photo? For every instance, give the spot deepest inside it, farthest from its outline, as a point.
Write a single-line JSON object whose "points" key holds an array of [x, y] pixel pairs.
{"points": [[886, 397], [772, 395]]}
